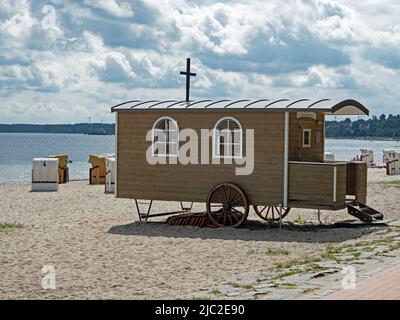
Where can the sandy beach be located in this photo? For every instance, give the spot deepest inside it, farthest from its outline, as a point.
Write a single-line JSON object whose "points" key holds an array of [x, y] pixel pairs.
{"points": [[101, 251]]}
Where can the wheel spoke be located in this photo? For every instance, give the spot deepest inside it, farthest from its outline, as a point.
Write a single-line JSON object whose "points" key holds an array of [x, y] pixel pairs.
{"points": [[266, 215], [228, 197], [271, 210], [236, 200], [235, 196], [238, 212], [218, 211], [219, 196], [224, 220], [220, 214], [225, 196], [230, 218], [237, 208], [263, 209], [278, 210], [235, 217]]}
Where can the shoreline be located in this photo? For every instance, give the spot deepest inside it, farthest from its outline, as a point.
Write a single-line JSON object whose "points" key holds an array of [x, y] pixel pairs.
{"points": [[63, 133], [365, 138], [28, 182], [370, 138]]}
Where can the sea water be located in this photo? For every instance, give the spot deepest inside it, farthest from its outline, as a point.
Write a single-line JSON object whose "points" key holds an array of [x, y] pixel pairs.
{"points": [[18, 149]]}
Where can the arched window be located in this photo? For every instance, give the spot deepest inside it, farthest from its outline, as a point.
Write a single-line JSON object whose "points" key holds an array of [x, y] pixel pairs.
{"points": [[228, 138], [165, 137]]}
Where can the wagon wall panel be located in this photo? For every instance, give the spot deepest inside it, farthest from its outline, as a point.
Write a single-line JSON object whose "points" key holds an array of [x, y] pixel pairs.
{"points": [[139, 179], [312, 186]]}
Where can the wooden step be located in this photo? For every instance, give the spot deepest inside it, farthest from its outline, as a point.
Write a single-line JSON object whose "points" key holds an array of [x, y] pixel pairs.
{"points": [[377, 216], [364, 212]]}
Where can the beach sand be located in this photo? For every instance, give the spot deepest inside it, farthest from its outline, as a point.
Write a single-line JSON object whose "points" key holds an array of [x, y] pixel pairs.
{"points": [[101, 251]]}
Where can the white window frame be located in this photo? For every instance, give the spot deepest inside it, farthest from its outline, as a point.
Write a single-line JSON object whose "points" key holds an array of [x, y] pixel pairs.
{"points": [[216, 144], [153, 136], [309, 139]]}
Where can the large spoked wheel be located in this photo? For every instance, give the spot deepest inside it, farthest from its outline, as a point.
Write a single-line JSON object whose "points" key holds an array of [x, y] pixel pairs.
{"points": [[227, 205], [270, 213]]}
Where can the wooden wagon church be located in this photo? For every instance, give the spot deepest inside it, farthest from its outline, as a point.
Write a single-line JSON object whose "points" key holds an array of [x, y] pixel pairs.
{"points": [[289, 168]]}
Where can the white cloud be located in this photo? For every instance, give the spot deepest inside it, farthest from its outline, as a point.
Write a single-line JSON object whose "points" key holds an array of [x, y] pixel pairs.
{"points": [[43, 76], [319, 76], [15, 29], [113, 67], [103, 52], [113, 7], [11, 7]]}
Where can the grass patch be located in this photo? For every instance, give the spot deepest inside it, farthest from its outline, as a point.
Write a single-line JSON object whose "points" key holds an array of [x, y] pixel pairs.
{"points": [[293, 272], [332, 252], [296, 262], [288, 285], [394, 246], [215, 291], [345, 253], [331, 249], [247, 286], [389, 229], [310, 290], [10, 226], [300, 220], [241, 286], [326, 256], [310, 267], [351, 250], [277, 252], [387, 240], [311, 262], [200, 298], [315, 267]]}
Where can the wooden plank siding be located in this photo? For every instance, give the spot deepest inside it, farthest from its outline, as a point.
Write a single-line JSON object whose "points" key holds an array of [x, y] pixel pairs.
{"points": [[361, 178], [357, 181], [312, 186], [139, 179]]}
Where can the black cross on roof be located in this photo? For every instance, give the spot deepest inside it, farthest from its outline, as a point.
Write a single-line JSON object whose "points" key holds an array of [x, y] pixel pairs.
{"points": [[187, 73]]}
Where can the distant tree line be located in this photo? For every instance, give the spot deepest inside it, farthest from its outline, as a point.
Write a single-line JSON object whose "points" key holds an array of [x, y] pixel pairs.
{"points": [[78, 128], [380, 127]]}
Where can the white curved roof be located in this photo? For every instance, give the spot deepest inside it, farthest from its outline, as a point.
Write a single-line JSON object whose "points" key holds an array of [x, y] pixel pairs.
{"points": [[328, 106]]}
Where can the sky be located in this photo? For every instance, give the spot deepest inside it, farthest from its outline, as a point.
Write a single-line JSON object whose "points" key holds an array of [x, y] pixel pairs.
{"points": [[65, 61]]}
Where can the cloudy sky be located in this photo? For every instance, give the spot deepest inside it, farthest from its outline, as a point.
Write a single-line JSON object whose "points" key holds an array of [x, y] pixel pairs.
{"points": [[65, 61]]}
